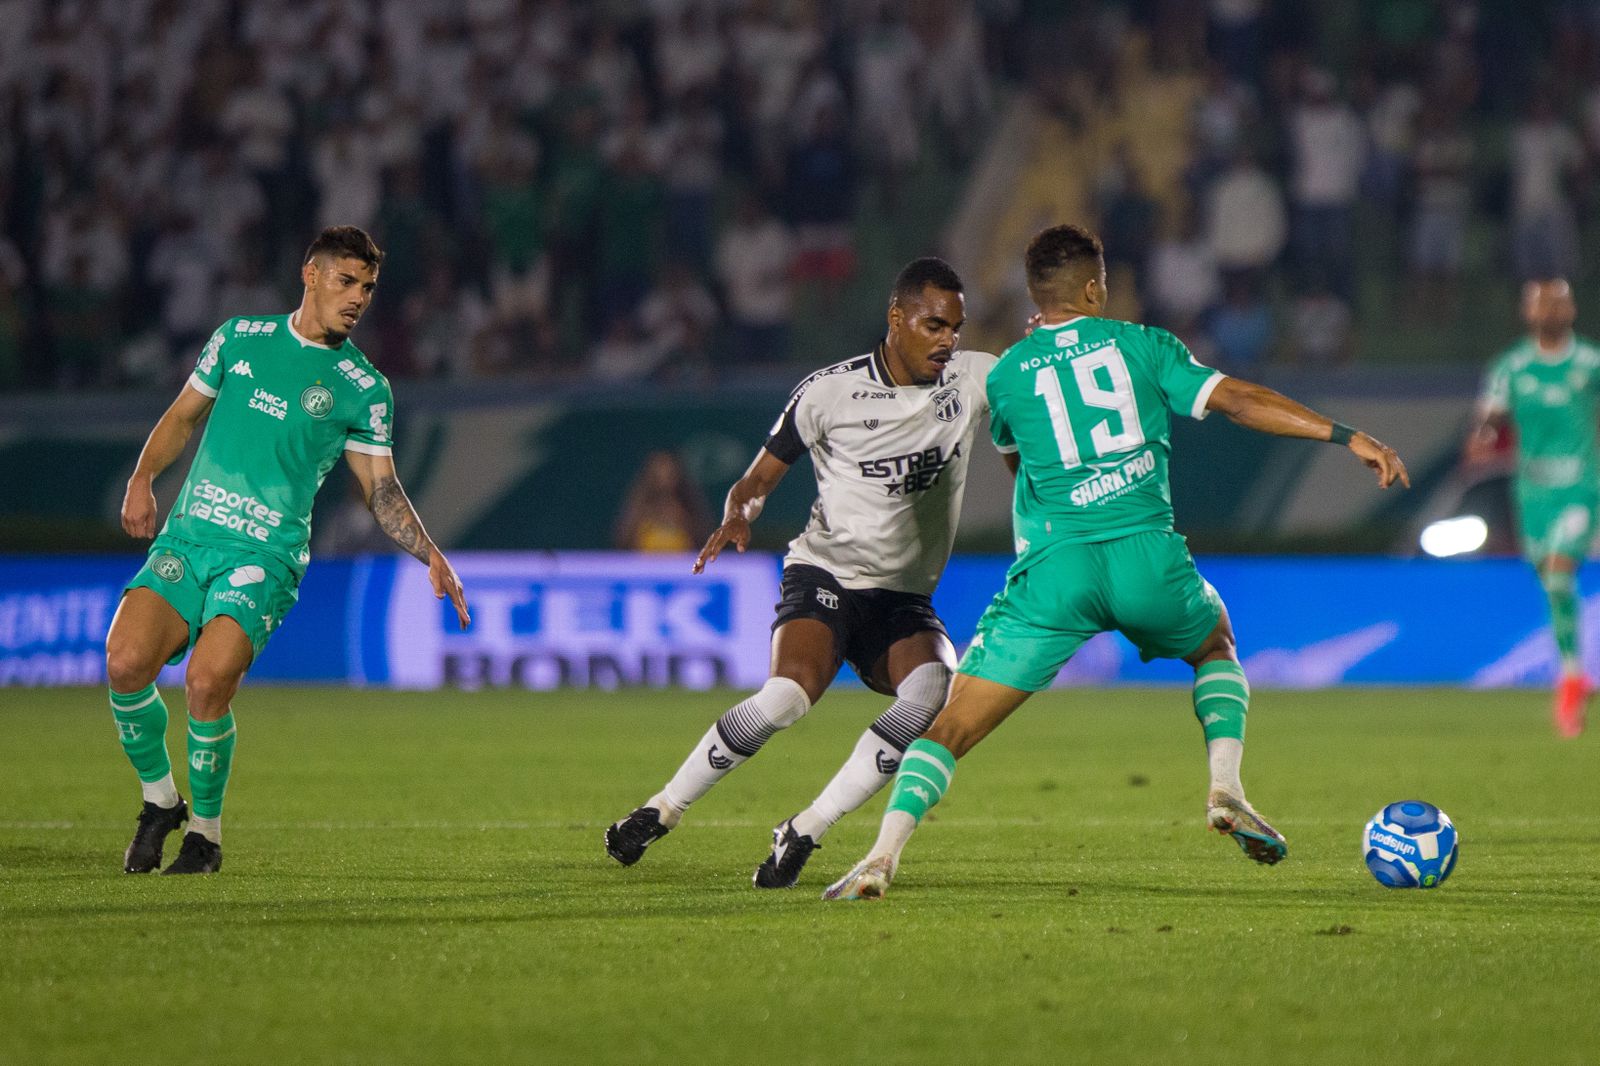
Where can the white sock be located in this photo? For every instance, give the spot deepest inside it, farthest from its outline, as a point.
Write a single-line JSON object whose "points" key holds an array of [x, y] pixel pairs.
{"points": [[876, 757], [163, 793], [892, 836], [857, 781], [735, 737], [1225, 754], [210, 828]]}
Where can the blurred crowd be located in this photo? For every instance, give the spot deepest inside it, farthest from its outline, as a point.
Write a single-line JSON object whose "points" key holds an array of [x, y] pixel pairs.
{"points": [[1456, 135], [563, 188], [637, 189]]}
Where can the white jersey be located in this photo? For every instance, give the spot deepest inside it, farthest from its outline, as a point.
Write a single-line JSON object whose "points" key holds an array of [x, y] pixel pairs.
{"points": [[891, 465]]}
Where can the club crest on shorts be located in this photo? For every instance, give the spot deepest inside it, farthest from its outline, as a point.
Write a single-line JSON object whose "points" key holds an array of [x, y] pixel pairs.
{"points": [[870, 423], [947, 405], [168, 567], [828, 599], [317, 401]]}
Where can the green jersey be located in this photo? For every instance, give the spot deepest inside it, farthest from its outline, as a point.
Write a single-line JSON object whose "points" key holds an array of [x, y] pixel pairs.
{"points": [[284, 410], [1552, 400], [1086, 406]]}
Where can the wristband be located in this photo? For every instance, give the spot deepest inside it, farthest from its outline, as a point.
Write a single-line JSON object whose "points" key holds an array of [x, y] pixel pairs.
{"points": [[1341, 434]]}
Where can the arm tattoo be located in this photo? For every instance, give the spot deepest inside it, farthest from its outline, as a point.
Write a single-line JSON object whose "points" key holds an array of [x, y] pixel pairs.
{"points": [[397, 518]]}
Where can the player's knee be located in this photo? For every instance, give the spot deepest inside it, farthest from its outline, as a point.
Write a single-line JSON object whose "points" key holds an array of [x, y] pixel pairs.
{"points": [[926, 688], [782, 702], [208, 692], [127, 670]]}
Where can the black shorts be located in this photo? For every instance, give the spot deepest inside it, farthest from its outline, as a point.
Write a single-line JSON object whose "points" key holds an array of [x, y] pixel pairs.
{"points": [[865, 622]]}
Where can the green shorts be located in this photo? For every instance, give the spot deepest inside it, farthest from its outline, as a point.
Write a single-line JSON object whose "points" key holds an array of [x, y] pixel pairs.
{"points": [[1144, 585], [204, 582], [1556, 522]]}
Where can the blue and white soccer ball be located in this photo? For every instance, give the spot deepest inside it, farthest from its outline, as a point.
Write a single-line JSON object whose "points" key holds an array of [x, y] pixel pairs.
{"points": [[1410, 844]]}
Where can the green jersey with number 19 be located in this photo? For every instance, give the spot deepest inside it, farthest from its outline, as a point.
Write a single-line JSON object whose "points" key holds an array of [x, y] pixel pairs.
{"points": [[1086, 404], [284, 410]]}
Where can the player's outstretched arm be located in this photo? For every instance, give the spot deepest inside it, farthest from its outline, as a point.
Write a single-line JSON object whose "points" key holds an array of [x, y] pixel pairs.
{"points": [[745, 501], [392, 508], [165, 443], [1260, 408]]}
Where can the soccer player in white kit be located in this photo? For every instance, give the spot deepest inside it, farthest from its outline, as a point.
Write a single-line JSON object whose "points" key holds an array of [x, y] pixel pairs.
{"points": [[889, 434]]}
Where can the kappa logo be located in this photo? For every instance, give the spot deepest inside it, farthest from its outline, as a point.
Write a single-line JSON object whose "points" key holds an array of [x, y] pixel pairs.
{"points": [[921, 793], [168, 567], [241, 367], [828, 599], [317, 401], [718, 760], [870, 423], [947, 405], [887, 763]]}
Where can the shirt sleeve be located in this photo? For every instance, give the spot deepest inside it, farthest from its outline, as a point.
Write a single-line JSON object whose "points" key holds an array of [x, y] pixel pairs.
{"points": [[208, 369], [1495, 398], [372, 432], [794, 432], [1186, 382]]}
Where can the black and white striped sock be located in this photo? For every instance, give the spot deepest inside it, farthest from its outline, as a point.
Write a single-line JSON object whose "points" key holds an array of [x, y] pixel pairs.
{"points": [[735, 737]]}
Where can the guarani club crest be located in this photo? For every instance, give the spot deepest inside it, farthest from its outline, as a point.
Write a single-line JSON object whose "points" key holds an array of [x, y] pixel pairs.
{"points": [[168, 567], [947, 405], [317, 401]]}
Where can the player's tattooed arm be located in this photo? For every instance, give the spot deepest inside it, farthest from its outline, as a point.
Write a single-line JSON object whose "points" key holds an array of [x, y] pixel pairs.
{"points": [[390, 506], [396, 517]]}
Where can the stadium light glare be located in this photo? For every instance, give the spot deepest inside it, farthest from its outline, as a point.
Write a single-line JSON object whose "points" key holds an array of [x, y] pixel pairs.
{"points": [[1454, 536]]}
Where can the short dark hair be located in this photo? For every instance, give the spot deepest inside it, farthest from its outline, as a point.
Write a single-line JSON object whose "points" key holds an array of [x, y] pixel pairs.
{"points": [[346, 242], [1062, 250], [920, 273]]}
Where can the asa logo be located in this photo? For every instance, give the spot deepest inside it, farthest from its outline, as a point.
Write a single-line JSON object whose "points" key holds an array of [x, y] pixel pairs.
{"points": [[947, 405], [249, 328], [247, 575], [317, 401], [168, 567]]}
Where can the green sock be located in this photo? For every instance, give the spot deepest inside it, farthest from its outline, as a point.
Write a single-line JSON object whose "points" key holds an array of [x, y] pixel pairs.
{"points": [[1561, 588], [142, 724], [210, 759], [1221, 698], [925, 772]]}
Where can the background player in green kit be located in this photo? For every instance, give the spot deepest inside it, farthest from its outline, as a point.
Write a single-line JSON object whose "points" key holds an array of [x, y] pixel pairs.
{"points": [[1082, 404], [287, 396], [1547, 386]]}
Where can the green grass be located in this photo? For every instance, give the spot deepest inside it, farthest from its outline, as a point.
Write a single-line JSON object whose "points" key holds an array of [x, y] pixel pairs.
{"points": [[419, 878]]}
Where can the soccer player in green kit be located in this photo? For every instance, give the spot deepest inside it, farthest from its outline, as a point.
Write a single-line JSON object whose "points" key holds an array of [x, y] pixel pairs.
{"points": [[1547, 386], [287, 395], [1081, 404]]}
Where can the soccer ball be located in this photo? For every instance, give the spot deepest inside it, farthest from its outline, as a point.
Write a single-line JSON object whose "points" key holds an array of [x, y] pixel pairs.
{"points": [[1410, 844]]}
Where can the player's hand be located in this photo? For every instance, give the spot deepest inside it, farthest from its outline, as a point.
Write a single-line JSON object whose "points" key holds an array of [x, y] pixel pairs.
{"points": [[139, 510], [1482, 446], [446, 582], [1382, 458], [735, 531]]}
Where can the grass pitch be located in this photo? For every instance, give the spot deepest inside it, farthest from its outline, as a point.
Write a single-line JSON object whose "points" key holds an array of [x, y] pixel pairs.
{"points": [[420, 878]]}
